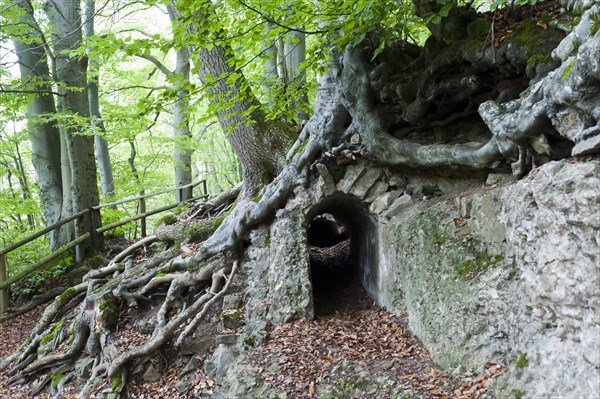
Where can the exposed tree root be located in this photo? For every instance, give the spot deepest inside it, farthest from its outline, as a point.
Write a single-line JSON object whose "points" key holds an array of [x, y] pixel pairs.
{"points": [[359, 107], [37, 301]]}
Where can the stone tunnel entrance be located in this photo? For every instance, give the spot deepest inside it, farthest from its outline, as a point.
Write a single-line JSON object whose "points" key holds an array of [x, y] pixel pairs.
{"points": [[342, 250]]}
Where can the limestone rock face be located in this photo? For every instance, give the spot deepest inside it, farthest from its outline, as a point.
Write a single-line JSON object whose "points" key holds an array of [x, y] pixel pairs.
{"points": [[493, 272], [553, 235]]}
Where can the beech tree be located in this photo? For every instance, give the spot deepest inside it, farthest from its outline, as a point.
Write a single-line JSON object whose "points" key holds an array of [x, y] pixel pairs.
{"points": [[101, 145], [458, 102], [31, 47], [71, 74]]}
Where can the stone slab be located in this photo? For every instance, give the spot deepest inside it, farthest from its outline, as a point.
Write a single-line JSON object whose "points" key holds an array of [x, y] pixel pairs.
{"points": [[365, 182], [353, 173]]}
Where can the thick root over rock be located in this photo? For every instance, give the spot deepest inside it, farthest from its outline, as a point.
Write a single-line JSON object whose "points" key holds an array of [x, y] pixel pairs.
{"points": [[83, 321], [364, 108]]}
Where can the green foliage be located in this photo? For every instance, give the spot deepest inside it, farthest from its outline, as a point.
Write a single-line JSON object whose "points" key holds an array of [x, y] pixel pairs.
{"points": [[518, 394], [496, 4], [53, 275]]}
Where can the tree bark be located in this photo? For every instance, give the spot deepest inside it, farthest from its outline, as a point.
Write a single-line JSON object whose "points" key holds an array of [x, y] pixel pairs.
{"points": [[270, 74], [44, 134], [65, 17], [107, 181], [259, 144], [295, 55], [181, 128]]}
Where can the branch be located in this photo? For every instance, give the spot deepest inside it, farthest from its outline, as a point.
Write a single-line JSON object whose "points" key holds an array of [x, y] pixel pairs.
{"points": [[271, 20], [3, 90], [158, 64]]}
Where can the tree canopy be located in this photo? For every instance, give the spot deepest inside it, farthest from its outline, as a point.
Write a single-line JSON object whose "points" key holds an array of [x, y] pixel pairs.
{"points": [[272, 94]]}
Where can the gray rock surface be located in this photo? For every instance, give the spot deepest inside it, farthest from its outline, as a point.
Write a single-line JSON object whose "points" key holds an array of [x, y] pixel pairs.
{"points": [[485, 273], [220, 361], [553, 232]]}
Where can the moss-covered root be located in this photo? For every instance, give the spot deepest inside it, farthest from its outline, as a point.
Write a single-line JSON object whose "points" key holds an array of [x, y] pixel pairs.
{"points": [[98, 371], [26, 354], [196, 311], [81, 331], [225, 197]]}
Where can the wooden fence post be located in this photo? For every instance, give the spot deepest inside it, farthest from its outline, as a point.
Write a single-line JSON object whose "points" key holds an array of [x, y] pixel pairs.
{"points": [[143, 220], [79, 251], [96, 237], [204, 187], [3, 277]]}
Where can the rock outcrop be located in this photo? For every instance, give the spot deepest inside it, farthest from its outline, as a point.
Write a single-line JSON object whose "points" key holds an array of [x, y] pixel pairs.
{"points": [[504, 271]]}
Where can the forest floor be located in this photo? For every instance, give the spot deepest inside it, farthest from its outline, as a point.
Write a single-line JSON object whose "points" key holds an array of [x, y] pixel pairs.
{"points": [[353, 349]]}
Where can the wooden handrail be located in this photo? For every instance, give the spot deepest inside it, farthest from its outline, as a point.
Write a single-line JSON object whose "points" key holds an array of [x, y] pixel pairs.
{"points": [[40, 233], [121, 222], [97, 207], [66, 220], [4, 285], [38, 265]]}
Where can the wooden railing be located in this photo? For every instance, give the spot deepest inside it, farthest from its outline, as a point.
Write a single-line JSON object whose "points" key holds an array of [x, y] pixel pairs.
{"points": [[95, 235]]}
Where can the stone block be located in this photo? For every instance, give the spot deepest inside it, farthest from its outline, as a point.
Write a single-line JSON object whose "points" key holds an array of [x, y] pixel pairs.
{"points": [[198, 346], [220, 361], [324, 184], [228, 339], [232, 301], [191, 366], [398, 181], [379, 188], [365, 182], [588, 146], [325, 176], [353, 173], [403, 202], [151, 374], [182, 386], [384, 201]]}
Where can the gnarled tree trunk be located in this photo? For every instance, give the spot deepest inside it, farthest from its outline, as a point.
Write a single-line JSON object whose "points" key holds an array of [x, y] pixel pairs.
{"points": [[442, 112]]}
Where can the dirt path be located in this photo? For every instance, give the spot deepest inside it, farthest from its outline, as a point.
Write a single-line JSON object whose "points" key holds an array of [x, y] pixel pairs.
{"points": [[353, 349]]}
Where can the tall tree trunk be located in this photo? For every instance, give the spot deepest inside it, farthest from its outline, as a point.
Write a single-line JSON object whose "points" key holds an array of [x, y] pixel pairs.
{"points": [[43, 131], [295, 55], [181, 126], [65, 17], [270, 75], [107, 181], [67, 230], [22, 176], [259, 144], [136, 175]]}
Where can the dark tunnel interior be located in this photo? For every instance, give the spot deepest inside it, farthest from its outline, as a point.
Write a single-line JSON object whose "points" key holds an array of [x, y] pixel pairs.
{"points": [[339, 236]]}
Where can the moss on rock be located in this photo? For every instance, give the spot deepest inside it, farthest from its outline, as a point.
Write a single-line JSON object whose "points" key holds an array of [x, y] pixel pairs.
{"points": [[200, 231]]}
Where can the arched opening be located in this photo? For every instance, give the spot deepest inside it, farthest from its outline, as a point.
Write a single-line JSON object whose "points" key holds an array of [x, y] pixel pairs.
{"points": [[341, 237]]}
